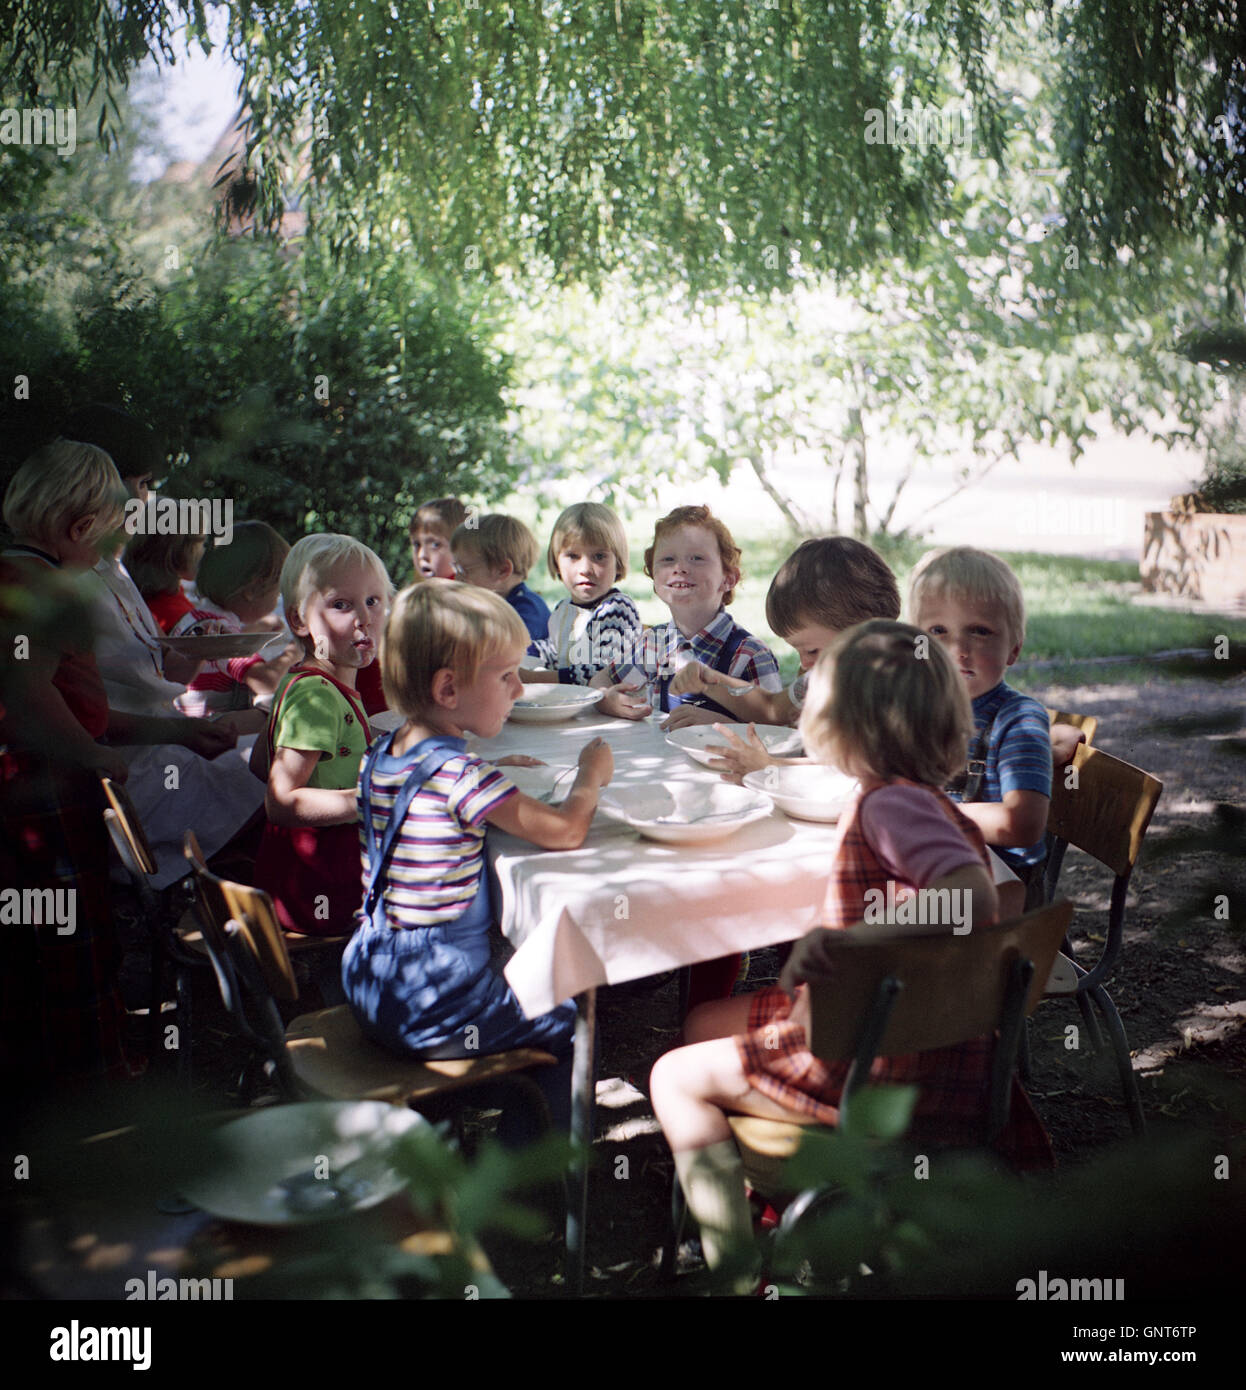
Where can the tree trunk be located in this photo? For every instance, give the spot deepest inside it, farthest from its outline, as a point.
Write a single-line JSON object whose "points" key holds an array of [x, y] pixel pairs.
{"points": [[774, 494], [860, 493]]}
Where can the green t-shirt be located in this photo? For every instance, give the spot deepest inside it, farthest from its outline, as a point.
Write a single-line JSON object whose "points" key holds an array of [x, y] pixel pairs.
{"points": [[315, 717]]}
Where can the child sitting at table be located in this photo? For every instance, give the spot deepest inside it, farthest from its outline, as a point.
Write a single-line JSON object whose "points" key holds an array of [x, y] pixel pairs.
{"points": [[695, 566], [595, 624], [161, 566], [897, 717], [417, 972], [972, 603], [237, 588], [335, 592], [495, 553], [431, 528]]}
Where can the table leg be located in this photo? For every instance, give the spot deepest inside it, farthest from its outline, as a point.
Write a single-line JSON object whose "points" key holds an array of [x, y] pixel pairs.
{"points": [[583, 1101]]}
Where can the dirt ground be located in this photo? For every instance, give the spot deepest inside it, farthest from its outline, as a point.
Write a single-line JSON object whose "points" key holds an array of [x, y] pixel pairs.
{"points": [[1180, 988]]}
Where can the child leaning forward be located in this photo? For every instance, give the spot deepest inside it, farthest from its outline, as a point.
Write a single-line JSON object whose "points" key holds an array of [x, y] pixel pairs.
{"points": [[417, 973]]}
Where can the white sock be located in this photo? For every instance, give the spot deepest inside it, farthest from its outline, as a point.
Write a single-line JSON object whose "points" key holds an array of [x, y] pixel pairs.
{"points": [[713, 1182]]}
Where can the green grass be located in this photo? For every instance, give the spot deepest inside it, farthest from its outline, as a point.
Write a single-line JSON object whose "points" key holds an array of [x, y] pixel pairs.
{"points": [[1076, 608]]}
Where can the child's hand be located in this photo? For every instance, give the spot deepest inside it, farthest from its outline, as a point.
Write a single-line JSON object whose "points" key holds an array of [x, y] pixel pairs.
{"points": [[1064, 741], [597, 762], [683, 716], [207, 739], [800, 1010], [693, 679], [518, 760], [619, 703], [738, 755]]}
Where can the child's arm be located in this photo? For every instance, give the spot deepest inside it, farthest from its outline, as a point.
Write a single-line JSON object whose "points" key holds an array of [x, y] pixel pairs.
{"points": [[1064, 741], [620, 701], [1016, 822], [290, 801], [758, 705], [565, 826]]}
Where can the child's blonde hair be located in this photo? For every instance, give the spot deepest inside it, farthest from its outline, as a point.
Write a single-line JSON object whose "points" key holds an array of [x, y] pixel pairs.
{"points": [[439, 625], [61, 483], [313, 561], [588, 524], [497, 538], [887, 697], [156, 562], [252, 562], [976, 576], [442, 515], [728, 551]]}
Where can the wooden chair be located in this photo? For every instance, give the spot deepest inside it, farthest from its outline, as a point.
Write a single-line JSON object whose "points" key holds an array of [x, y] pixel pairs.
{"points": [[1105, 814], [890, 993], [133, 848], [324, 1055]]}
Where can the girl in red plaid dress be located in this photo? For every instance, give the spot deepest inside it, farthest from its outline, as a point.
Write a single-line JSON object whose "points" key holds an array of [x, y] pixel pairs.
{"points": [[886, 705]]}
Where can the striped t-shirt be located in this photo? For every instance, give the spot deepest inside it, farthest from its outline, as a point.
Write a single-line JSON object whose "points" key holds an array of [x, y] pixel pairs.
{"points": [[439, 855]]}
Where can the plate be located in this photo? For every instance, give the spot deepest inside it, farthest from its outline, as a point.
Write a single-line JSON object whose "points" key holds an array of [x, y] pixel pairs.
{"points": [[291, 1165], [548, 784], [686, 813], [223, 646], [548, 704], [780, 742], [814, 792]]}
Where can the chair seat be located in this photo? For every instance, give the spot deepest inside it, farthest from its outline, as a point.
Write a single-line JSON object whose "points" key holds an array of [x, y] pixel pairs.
{"points": [[1063, 977], [331, 1056], [190, 935], [765, 1147], [298, 941]]}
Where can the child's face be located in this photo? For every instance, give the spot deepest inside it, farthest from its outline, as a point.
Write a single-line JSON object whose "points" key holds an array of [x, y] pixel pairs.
{"points": [[253, 604], [974, 636], [482, 707], [430, 554], [588, 571], [688, 574], [470, 567], [344, 621], [809, 641]]}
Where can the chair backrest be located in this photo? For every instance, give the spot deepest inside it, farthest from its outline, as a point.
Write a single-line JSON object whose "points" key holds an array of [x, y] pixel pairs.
{"points": [[127, 831], [250, 914], [1103, 806], [1087, 723], [952, 988]]}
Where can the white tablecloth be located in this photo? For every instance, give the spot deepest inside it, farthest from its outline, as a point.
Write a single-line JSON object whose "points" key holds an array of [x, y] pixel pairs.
{"points": [[620, 907]]}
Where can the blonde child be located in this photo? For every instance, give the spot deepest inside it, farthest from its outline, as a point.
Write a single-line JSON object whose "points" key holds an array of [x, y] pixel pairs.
{"points": [[417, 972], [431, 528], [495, 553], [971, 602], [695, 566], [335, 592], [595, 624], [160, 566], [237, 588], [898, 718]]}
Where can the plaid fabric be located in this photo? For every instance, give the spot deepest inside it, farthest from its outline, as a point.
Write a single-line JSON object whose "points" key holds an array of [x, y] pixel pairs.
{"points": [[659, 646], [953, 1082]]}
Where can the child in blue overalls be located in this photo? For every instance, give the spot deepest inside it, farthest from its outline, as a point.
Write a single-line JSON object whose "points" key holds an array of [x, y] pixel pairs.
{"points": [[417, 973], [695, 567]]}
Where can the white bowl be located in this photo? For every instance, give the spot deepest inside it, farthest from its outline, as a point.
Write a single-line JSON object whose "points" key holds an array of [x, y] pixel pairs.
{"points": [[545, 783], [292, 1164], [693, 738], [547, 704], [686, 813], [813, 792]]}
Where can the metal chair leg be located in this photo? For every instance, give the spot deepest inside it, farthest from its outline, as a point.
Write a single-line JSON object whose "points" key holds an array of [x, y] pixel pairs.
{"points": [[1089, 1022], [679, 1221], [1124, 1064], [1025, 1061]]}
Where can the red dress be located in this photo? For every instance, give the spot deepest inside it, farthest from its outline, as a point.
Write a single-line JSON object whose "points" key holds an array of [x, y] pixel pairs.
{"points": [[60, 1012], [953, 1082]]}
